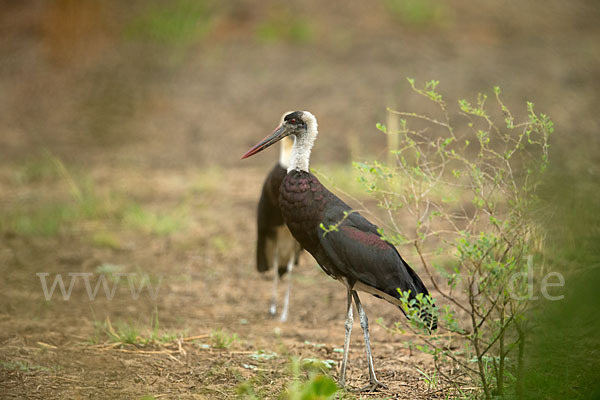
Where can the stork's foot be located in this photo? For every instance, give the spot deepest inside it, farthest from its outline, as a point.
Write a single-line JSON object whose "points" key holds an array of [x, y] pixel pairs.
{"points": [[273, 309], [373, 386]]}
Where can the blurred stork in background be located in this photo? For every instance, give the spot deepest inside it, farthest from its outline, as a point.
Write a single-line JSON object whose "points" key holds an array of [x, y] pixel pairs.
{"points": [[275, 246]]}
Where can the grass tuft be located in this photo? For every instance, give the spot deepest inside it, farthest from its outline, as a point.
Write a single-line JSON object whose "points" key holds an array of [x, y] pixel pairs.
{"points": [[282, 25], [131, 333], [38, 169], [44, 220], [221, 339], [177, 23], [418, 13], [157, 223], [107, 240], [25, 367]]}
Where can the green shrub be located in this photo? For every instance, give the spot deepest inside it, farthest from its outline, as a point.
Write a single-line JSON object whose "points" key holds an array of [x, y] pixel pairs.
{"points": [[460, 194]]}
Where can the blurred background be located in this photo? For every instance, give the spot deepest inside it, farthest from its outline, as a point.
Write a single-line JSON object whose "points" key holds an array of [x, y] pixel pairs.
{"points": [[122, 124], [165, 84]]}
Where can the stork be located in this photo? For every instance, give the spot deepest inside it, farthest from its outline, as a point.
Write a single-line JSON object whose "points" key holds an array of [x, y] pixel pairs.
{"points": [[275, 245], [354, 253]]}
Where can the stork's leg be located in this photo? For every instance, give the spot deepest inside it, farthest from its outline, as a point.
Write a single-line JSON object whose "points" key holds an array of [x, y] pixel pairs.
{"points": [[348, 325], [273, 306], [364, 323], [286, 299]]}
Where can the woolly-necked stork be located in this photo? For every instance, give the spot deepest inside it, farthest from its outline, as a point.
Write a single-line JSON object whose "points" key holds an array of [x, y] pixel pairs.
{"points": [[354, 254], [275, 246]]}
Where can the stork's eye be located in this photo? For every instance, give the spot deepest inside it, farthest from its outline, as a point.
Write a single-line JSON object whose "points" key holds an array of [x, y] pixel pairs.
{"points": [[293, 121]]}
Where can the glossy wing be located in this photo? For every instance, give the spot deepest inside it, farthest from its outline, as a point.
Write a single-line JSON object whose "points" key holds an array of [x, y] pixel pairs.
{"points": [[358, 252]]}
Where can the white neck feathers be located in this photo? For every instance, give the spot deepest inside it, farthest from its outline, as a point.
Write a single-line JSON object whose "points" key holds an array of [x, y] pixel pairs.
{"points": [[303, 144], [285, 152]]}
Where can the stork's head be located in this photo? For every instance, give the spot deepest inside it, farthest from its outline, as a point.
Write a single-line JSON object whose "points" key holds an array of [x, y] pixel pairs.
{"points": [[300, 124]]}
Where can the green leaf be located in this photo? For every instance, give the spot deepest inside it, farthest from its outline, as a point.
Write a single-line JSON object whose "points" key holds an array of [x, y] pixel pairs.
{"points": [[381, 127], [321, 387]]}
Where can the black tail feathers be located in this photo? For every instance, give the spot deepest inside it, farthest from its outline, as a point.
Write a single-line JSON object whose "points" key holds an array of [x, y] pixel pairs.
{"points": [[425, 316], [262, 264], [429, 318], [262, 267], [426, 312]]}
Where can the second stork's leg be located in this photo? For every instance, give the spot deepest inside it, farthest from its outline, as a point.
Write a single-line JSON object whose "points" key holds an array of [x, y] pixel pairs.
{"points": [[286, 299], [348, 325], [273, 305], [364, 323]]}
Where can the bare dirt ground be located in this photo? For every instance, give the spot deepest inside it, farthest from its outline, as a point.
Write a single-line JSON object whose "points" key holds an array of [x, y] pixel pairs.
{"points": [[152, 184], [60, 348]]}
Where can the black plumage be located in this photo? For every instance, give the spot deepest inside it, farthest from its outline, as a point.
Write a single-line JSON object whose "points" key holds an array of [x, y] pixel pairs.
{"points": [[353, 253], [270, 222]]}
